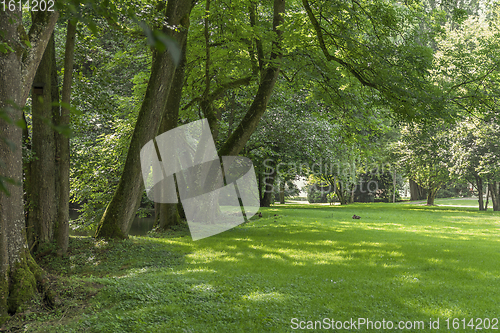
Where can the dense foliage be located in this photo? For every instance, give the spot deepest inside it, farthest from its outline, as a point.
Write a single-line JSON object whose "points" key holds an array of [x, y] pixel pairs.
{"points": [[359, 96]]}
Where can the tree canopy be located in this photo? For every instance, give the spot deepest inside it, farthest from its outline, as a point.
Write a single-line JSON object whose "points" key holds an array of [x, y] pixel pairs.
{"points": [[375, 90]]}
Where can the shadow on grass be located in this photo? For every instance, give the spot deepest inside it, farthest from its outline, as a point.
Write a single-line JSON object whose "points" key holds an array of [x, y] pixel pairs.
{"points": [[395, 263], [431, 266]]}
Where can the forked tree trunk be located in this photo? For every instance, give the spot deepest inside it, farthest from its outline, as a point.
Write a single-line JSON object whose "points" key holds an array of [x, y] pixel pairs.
{"points": [[340, 191], [250, 121], [19, 273], [119, 214], [431, 195]]}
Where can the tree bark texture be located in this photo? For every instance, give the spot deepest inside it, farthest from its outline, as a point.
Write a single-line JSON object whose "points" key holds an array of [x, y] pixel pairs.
{"points": [[495, 194], [431, 195], [417, 192], [282, 192], [42, 196], [19, 273], [269, 180], [480, 191], [62, 232], [167, 214]]}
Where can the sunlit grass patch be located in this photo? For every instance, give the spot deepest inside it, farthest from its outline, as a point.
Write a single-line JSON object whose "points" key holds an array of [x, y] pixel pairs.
{"points": [[398, 262]]}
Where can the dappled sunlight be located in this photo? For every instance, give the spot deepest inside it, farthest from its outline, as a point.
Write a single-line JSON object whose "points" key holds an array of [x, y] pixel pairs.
{"points": [[194, 270], [259, 296], [203, 288], [365, 243], [206, 256], [134, 272], [325, 242], [407, 278], [435, 261], [422, 266], [272, 256]]}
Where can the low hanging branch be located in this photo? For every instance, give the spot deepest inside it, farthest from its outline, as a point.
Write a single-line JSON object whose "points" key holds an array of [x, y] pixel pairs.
{"points": [[329, 57]]}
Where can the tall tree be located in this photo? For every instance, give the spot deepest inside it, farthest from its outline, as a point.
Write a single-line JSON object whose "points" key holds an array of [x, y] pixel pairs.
{"points": [[19, 60], [241, 134], [42, 191], [120, 212], [167, 214], [63, 147], [425, 152]]}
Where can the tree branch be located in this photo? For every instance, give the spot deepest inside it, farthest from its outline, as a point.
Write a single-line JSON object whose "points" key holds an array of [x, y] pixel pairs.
{"points": [[329, 57], [38, 36]]}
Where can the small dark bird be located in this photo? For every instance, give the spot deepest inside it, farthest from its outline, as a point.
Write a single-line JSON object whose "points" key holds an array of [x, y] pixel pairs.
{"points": [[356, 217], [260, 214]]}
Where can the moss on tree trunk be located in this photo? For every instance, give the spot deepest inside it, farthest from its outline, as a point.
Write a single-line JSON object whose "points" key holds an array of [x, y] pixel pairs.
{"points": [[19, 274]]}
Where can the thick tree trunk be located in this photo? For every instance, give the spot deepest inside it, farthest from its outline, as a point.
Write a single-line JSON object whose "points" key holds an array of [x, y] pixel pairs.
{"points": [[282, 191], [11, 206], [417, 192], [120, 212], [260, 185], [269, 180], [495, 195], [431, 195], [167, 214], [42, 196], [62, 232], [19, 273], [270, 177]]}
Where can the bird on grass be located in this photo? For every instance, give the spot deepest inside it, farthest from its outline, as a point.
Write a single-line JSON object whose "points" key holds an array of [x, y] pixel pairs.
{"points": [[356, 217]]}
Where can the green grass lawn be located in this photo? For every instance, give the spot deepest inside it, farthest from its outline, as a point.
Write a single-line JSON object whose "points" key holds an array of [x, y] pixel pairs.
{"points": [[463, 202], [472, 202], [397, 263]]}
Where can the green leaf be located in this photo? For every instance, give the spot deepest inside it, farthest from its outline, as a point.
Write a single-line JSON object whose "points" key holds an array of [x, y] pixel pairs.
{"points": [[5, 48]]}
